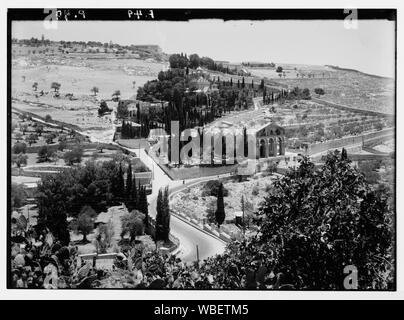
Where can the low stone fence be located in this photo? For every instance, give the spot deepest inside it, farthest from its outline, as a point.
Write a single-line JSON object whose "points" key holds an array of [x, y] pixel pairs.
{"points": [[202, 225]]}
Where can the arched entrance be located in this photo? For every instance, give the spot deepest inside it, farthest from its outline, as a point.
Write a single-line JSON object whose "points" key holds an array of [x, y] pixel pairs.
{"points": [[263, 147], [280, 147], [271, 147]]}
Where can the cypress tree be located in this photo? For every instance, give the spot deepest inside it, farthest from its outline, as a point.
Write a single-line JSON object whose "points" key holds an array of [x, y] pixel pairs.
{"points": [[129, 181], [166, 216], [146, 210], [134, 193], [121, 182], [159, 215], [242, 83], [344, 154], [143, 204], [138, 112], [220, 214]]}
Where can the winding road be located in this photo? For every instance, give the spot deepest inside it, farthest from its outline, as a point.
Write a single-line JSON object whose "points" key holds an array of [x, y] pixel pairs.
{"points": [[189, 236]]}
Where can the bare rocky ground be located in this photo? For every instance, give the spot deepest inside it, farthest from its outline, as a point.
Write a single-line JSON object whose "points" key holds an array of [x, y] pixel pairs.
{"points": [[194, 202]]}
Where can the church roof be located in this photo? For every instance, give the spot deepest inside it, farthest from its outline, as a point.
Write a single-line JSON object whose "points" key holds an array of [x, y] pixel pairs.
{"points": [[272, 125]]}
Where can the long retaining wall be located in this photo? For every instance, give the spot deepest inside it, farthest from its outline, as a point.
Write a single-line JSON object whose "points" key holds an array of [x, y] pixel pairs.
{"points": [[382, 135], [51, 122]]}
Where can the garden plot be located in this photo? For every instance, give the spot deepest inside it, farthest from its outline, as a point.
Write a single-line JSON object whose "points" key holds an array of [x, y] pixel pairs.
{"points": [[84, 118]]}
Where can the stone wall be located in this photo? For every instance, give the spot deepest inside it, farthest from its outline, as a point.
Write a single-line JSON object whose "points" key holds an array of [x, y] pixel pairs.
{"points": [[350, 141]]}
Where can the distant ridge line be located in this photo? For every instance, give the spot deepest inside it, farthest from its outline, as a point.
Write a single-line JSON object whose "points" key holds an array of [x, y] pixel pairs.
{"points": [[357, 71]]}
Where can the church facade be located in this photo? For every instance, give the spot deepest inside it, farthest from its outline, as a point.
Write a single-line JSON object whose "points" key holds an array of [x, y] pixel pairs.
{"points": [[270, 140]]}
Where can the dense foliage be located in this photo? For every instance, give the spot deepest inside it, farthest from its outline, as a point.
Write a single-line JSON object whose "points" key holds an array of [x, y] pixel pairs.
{"points": [[319, 220], [298, 93], [181, 61], [184, 102], [94, 184], [313, 223]]}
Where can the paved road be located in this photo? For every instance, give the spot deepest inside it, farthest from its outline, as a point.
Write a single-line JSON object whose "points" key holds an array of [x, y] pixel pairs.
{"points": [[189, 236]]}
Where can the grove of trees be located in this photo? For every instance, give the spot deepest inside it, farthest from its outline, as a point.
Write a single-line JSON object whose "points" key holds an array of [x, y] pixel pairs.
{"points": [[181, 61], [97, 185]]}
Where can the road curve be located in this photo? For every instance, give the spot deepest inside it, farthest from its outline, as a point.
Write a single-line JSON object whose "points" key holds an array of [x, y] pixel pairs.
{"points": [[190, 237]]}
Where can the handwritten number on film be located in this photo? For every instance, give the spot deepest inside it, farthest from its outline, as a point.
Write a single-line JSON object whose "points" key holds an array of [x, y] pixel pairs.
{"points": [[138, 14], [66, 15], [53, 15]]}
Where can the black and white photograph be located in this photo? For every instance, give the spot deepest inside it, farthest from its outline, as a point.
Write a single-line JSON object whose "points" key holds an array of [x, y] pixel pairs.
{"points": [[201, 149]]}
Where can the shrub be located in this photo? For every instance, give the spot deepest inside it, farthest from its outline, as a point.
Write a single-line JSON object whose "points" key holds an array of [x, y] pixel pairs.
{"points": [[73, 156], [44, 154], [19, 147], [85, 224], [211, 189], [132, 223], [255, 191]]}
